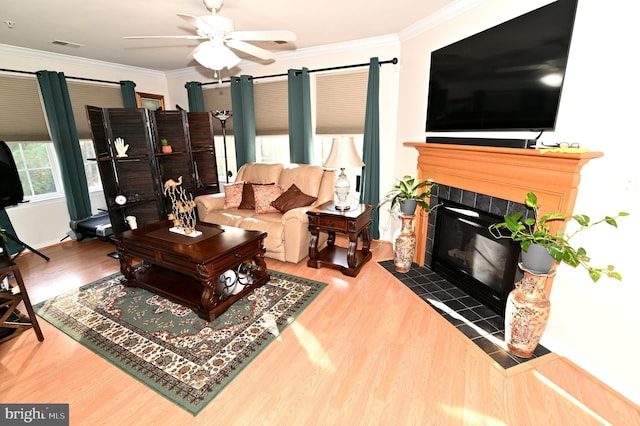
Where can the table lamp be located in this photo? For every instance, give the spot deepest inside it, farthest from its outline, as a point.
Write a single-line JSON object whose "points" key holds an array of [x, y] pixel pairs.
{"points": [[343, 154]]}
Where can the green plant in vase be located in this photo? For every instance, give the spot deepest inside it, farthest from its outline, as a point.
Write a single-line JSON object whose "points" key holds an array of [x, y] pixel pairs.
{"points": [[408, 193], [535, 232]]}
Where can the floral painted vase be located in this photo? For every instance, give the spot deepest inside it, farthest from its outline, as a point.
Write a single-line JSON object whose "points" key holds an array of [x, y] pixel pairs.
{"points": [[404, 245], [527, 314]]}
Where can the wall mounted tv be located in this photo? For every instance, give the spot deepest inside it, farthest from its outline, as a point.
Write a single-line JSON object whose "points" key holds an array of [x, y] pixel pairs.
{"points": [[508, 77]]}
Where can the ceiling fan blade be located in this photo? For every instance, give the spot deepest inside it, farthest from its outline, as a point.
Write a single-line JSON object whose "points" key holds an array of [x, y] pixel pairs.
{"points": [[187, 37], [263, 35], [193, 20], [209, 25], [250, 49]]}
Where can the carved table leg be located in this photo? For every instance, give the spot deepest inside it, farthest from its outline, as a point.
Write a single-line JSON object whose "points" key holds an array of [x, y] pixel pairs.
{"points": [[351, 251], [313, 247], [126, 267], [209, 299], [261, 265], [366, 240]]}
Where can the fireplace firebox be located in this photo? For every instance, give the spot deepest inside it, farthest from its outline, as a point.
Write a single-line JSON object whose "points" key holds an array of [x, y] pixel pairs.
{"points": [[464, 252]]}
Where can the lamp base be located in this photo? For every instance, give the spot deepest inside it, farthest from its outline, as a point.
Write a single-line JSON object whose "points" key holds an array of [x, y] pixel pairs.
{"points": [[341, 188], [342, 208]]}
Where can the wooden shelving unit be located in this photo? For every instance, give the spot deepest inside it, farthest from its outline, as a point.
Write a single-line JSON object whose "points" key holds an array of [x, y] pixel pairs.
{"points": [[139, 177]]}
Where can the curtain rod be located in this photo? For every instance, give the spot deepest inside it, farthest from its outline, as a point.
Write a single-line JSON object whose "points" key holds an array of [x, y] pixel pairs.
{"points": [[66, 76], [390, 61]]}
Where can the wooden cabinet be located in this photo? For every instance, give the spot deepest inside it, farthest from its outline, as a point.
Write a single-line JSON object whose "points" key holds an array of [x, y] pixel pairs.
{"points": [[133, 184]]}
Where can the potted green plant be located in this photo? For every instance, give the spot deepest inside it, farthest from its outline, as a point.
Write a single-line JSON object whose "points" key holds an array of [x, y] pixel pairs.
{"points": [[407, 194], [166, 148], [534, 235]]}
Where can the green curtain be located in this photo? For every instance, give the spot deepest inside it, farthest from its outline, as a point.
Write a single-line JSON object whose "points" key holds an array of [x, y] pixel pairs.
{"points": [[370, 182], [196, 99], [64, 134], [244, 121], [5, 225], [128, 94], [300, 131]]}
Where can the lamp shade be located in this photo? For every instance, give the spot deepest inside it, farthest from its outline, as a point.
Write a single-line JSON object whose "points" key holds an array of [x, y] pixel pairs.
{"points": [[215, 55], [343, 155]]}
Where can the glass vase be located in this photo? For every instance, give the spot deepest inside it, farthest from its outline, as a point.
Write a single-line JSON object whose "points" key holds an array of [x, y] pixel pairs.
{"points": [[404, 245], [527, 314]]}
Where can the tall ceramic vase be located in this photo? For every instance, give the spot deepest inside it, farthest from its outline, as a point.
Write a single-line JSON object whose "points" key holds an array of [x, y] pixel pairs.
{"points": [[527, 314], [404, 245]]}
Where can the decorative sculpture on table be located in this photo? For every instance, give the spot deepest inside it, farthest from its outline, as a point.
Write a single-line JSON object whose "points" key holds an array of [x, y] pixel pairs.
{"points": [[183, 209]]}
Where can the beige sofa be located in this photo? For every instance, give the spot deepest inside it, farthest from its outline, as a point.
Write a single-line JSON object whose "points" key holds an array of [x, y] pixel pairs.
{"points": [[287, 233]]}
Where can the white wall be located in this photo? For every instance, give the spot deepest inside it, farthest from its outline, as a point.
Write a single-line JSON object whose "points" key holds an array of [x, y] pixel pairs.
{"points": [[594, 325]]}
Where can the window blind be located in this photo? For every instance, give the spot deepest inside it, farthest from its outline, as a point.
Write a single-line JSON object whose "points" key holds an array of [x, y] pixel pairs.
{"points": [[341, 100], [271, 105], [83, 94], [21, 115]]}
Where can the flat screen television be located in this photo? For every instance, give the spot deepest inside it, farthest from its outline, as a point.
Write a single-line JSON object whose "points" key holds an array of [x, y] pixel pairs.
{"points": [[508, 77]]}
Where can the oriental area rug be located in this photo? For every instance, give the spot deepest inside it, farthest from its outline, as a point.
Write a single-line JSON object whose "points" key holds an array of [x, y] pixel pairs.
{"points": [[167, 346]]}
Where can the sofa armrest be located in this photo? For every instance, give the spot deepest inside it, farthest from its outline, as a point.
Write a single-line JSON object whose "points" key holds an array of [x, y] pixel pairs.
{"points": [[299, 214], [208, 203]]}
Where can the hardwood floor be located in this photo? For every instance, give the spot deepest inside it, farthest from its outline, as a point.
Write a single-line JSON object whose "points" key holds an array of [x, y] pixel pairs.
{"points": [[368, 351]]}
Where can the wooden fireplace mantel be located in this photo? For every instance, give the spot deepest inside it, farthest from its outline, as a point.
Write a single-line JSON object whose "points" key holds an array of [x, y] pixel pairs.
{"points": [[508, 173]]}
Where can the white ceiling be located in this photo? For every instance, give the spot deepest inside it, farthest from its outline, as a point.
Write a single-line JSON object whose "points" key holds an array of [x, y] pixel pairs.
{"points": [[100, 25]]}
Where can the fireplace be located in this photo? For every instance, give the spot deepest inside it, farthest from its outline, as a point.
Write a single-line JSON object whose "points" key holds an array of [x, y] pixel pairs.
{"points": [[461, 249], [496, 180]]}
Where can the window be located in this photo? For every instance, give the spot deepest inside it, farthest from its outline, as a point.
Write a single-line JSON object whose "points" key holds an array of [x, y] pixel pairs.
{"points": [[90, 166], [228, 158], [37, 169], [272, 149]]}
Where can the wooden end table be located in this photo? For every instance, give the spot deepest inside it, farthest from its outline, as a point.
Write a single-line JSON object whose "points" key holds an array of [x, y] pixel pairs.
{"points": [[187, 269], [353, 222]]}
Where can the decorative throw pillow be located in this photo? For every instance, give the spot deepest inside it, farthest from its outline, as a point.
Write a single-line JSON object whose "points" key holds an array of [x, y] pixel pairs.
{"points": [[264, 195], [291, 199], [232, 195], [248, 200]]}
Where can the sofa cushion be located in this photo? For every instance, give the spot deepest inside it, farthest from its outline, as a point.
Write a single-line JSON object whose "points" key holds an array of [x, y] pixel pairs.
{"points": [[248, 199], [232, 195], [264, 195], [260, 172], [292, 198]]}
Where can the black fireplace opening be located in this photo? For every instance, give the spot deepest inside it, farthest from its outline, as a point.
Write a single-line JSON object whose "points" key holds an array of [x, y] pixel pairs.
{"points": [[467, 255]]}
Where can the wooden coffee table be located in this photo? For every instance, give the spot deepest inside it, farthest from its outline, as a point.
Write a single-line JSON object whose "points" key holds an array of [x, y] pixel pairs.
{"points": [[186, 269]]}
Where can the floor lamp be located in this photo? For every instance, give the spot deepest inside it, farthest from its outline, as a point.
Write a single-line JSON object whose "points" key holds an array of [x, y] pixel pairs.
{"points": [[223, 116]]}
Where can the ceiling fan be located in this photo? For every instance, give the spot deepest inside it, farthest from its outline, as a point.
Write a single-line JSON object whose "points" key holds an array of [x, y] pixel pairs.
{"points": [[217, 31]]}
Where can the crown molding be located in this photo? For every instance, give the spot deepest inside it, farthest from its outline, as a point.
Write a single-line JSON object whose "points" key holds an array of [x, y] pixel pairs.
{"points": [[344, 47], [438, 17], [74, 60]]}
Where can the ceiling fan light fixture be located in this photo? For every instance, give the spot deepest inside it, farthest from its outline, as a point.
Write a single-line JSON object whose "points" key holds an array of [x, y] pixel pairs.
{"points": [[215, 56]]}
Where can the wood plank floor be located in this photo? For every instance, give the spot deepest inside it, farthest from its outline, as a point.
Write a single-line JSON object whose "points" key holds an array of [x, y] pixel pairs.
{"points": [[367, 351]]}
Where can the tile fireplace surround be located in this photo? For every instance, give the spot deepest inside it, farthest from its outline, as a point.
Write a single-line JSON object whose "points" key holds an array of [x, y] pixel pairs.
{"points": [[504, 173]]}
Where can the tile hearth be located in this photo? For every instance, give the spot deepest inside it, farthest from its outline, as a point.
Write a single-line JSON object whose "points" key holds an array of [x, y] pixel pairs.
{"points": [[484, 327]]}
